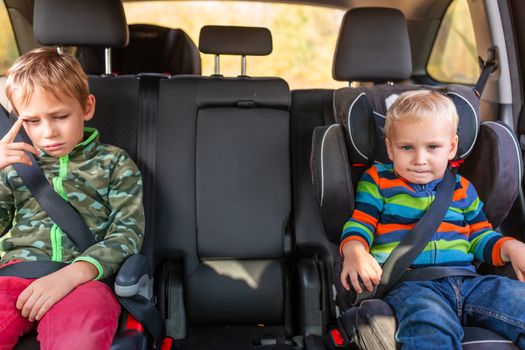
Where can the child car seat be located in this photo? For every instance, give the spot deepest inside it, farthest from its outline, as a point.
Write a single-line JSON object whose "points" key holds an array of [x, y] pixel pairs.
{"points": [[341, 152]]}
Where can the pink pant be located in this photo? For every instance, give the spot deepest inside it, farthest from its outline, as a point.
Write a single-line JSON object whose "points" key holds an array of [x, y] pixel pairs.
{"points": [[86, 318]]}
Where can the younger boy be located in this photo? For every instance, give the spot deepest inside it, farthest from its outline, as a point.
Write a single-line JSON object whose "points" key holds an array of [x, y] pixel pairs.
{"points": [[69, 308], [421, 138]]}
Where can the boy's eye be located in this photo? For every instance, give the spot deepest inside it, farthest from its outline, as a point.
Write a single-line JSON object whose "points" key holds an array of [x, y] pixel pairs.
{"points": [[60, 117], [433, 147], [406, 148], [31, 121]]}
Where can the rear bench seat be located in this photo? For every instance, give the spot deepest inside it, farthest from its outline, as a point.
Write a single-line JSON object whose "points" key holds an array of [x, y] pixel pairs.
{"points": [[215, 156]]}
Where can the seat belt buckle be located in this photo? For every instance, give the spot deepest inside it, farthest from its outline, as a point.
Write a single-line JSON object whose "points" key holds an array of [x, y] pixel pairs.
{"points": [[167, 344], [132, 323], [336, 339]]}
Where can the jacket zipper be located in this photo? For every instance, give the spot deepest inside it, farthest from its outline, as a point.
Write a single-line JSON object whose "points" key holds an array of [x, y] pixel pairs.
{"points": [[56, 232]]}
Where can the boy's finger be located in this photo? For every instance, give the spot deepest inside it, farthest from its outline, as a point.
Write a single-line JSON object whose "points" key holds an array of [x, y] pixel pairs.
{"points": [[355, 283], [36, 308], [11, 134], [519, 275], [45, 307], [22, 298], [375, 277], [24, 147], [344, 280], [368, 283], [17, 159]]}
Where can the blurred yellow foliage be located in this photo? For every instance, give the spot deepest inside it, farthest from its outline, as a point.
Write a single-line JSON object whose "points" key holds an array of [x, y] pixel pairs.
{"points": [[8, 48], [454, 55], [304, 37]]}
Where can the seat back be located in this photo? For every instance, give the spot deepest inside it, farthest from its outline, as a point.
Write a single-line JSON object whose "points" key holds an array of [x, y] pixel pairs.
{"points": [[358, 139], [224, 190], [151, 49], [64, 23]]}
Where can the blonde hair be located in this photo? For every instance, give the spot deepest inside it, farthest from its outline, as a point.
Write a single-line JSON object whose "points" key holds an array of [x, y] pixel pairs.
{"points": [[420, 105], [45, 68]]}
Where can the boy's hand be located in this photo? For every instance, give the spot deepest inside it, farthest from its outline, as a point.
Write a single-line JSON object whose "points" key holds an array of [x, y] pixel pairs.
{"points": [[359, 263], [46, 291], [14, 152], [514, 251]]}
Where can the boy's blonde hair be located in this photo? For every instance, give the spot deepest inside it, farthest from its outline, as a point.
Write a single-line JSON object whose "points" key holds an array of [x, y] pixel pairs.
{"points": [[419, 105], [45, 68]]}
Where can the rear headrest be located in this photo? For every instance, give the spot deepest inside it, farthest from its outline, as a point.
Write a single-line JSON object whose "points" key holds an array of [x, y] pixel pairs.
{"points": [[169, 51], [232, 40], [362, 112], [373, 45], [80, 22]]}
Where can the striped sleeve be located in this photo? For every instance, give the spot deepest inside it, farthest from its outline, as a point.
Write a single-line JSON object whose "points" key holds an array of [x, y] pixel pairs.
{"points": [[368, 206], [485, 243]]}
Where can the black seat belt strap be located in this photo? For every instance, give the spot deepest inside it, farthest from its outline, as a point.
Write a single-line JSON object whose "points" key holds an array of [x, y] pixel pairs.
{"points": [[147, 148], [414, 241], [487, 67], [148, 106], [31, 269], [60, 211]]}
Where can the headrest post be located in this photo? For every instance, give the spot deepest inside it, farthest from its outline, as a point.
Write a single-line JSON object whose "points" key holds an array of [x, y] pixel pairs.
{"points": [[243, 65], [107, 60], [60, 50], [217, 68]]}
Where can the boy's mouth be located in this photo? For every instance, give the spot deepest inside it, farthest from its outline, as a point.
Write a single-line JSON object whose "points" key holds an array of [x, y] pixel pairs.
{"points": [[53, 147], [419, 172]]}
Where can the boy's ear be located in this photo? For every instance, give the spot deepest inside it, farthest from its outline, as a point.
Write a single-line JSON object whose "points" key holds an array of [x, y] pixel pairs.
{"points": [[453, 147], [389, 149], [89, 111]]}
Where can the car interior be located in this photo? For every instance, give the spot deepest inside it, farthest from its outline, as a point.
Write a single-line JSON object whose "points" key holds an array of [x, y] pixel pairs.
{"points": [[248, 181]]}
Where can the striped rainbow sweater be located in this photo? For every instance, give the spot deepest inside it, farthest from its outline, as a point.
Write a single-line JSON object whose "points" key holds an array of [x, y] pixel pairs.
{"points": [[387, 207]]}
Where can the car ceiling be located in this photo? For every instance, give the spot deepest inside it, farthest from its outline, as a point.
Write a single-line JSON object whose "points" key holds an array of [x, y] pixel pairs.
{"points": [[412, 9]]}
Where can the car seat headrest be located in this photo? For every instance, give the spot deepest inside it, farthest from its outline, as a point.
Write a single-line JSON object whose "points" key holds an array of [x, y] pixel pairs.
{"points": [[232, 40], [362, 112], [373, 45], [80, 22]]}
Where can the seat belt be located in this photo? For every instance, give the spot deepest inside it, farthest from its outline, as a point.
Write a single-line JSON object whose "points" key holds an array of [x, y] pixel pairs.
{"points": [[395, 267], [414, 241], [487, 67], [59, 210], [148, 106]]}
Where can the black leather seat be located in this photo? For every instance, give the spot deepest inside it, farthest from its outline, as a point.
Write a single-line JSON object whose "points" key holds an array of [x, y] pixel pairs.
{"points": [[224, 202], [341, 152], [151, 49]]}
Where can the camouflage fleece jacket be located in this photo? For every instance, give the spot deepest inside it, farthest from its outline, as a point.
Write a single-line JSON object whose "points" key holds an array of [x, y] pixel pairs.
{"points": [[101, 182]]}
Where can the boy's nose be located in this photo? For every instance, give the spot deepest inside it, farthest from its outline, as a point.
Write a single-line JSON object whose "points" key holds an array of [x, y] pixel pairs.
{"points": [[49, 130], [420, 158]]}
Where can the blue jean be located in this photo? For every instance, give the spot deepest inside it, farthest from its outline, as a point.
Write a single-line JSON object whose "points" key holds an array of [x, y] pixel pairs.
{"points": [[431, 314]]}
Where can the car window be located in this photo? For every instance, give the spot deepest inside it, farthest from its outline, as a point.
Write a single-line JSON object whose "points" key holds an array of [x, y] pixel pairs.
{"points": [[454, 56], [304, 37], [8, 49]]}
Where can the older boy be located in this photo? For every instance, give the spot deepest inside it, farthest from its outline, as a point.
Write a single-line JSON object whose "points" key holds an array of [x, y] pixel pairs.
{"points": [[421, 138], [49, 92]]}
